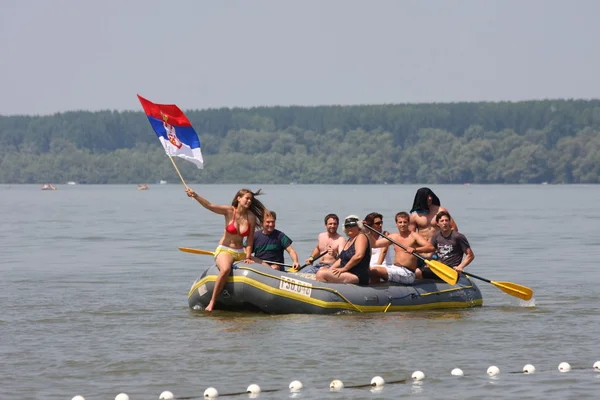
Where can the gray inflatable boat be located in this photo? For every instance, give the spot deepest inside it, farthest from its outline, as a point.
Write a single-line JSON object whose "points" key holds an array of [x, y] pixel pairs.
{"points": [[254, 287]]}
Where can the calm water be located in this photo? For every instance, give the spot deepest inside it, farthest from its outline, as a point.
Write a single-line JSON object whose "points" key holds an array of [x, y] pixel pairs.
{"points": [[94, 298]]}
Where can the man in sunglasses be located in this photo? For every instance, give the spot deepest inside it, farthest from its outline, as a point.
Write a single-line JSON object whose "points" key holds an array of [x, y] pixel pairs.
{"points": [[379, 255]]}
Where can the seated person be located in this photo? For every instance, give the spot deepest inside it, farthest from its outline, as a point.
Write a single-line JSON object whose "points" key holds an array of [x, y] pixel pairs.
{"points": [[379, 255], [270, 243], [329, 241], [353, 264], [404, 270], [450, 246]]}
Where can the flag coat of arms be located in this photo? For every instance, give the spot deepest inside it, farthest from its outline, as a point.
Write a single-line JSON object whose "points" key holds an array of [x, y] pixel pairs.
{"points": [[174, 131]]}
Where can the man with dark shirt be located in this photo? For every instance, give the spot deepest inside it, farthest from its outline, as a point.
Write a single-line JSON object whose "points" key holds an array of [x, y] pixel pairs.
{"points": [[270, 243], [450, 246]]}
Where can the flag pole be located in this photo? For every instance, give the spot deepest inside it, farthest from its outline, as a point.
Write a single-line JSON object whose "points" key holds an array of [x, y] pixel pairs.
{"points": [[178, 173]]}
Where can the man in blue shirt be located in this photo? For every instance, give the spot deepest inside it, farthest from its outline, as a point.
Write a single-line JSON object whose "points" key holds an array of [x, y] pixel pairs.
{"points": [[270, 243]]}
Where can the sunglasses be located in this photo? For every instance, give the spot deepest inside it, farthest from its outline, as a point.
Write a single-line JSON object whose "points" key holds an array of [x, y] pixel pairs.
{"points": [[378, 223]]}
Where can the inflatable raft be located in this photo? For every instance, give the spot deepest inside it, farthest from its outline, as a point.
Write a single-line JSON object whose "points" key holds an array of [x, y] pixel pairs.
{"points": [[254, 287]]}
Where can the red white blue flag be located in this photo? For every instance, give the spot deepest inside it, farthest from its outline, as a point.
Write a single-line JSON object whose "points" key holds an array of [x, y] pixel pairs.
{"points": [[174, 131]]}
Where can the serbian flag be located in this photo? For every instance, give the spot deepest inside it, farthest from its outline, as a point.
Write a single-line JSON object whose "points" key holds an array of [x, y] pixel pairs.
{"points": [[174, 131]]}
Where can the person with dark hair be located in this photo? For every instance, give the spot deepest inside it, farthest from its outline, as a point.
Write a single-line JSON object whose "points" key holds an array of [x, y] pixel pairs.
{"points": [[330, 241], [379, 255], [242, 218], [451, 247], [352, 266], [404, 269], [426, 206], [270, 243], [422, 214]]}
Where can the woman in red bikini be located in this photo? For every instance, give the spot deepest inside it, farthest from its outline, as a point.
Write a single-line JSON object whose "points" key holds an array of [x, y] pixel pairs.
{"points": [[242, 218]]}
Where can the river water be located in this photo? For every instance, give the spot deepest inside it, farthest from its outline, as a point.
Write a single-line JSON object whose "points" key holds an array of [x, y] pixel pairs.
{"points": [[94, 298]]}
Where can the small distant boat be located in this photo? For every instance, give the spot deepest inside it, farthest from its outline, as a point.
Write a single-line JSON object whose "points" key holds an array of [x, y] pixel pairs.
{"points": [[71, 183], [48, 187], [162, 182], [142, 187]]}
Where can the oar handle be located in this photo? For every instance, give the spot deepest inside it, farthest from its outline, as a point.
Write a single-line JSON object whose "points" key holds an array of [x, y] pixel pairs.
{"points": [[476, 277], [314, 259], [393, 241], [278, 263]]}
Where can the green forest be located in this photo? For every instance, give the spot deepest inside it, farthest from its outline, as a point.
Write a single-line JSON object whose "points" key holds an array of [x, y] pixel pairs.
{"points": [[553, 141]]}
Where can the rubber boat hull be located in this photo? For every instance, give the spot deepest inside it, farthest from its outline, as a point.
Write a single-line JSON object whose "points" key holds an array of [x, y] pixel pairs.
{"points": [[254, 287]]}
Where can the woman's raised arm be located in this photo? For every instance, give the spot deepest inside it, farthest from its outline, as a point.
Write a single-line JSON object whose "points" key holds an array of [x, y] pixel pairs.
{"points": [[222, 210]]}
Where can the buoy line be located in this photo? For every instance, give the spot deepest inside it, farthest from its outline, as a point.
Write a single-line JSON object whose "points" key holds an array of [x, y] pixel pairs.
{"points": [[377, 383]]}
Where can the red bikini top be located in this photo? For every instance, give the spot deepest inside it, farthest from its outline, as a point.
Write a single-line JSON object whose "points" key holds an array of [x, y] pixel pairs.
{"points": [[232, 229]]}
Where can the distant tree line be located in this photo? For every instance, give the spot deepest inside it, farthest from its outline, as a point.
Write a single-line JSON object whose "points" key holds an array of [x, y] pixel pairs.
{"points": [[554, 141]]}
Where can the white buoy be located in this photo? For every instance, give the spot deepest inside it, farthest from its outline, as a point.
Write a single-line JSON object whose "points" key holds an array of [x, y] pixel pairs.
{"points": [[596, 366], [528, 369], [493, 370], [78, 398], [418, 376], [377, 381], [166, 395], [211, 392], [254, 389], [295, 386], [122, 396], [336, 384], [564, 367], [457, 372]]}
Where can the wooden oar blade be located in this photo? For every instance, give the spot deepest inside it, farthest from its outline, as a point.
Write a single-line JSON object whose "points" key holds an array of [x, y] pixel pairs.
{"points": [[197, 251], [443, 271], [522, 292]]}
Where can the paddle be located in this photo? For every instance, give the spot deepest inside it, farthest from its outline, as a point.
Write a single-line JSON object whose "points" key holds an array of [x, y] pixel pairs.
{"points": [[445, 273], [210, 253], [196, 251], [522, 292], [314, 259]]}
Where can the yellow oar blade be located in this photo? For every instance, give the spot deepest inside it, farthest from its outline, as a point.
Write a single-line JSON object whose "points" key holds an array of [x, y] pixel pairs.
{"points": [[197, 251], [445, 273], [522, 292]]}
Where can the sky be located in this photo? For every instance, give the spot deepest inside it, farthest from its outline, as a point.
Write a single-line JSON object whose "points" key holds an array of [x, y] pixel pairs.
{"points": [[63, 55]]}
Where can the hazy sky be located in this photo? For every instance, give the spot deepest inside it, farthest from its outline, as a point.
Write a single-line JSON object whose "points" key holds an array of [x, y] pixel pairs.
{"points": [[98, 54]]}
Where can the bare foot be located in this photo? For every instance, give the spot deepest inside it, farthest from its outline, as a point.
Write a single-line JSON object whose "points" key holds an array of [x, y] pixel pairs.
{"points": [[209, 307]]}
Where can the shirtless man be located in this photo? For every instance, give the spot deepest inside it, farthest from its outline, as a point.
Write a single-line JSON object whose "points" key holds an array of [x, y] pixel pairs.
{"points": [[329, 240], [404, 269], [422, 215]]}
